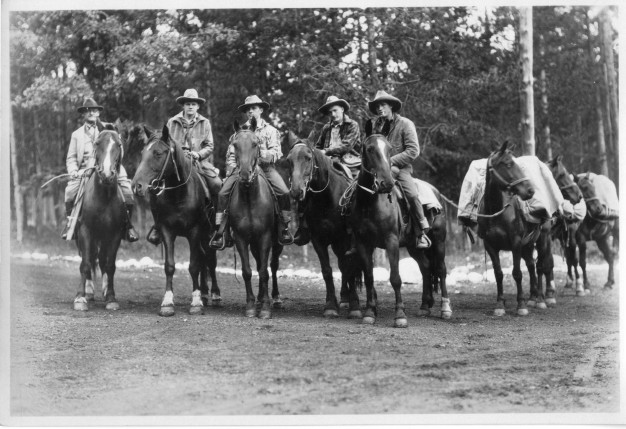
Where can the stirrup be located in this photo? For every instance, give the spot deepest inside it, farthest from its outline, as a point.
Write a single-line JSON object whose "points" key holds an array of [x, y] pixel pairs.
{"points": [[302, 237], [217, 242], [285, 238], [154, 237], [131, 235], [423, 242]]}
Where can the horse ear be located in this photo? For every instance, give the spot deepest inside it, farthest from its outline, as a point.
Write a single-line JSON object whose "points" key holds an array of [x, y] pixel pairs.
{"points": [[236, 126], [311, 136], [368, 128], [165, 134], [99, 125], [576, 178], [504, 146], [587, 176], [149, 133]]}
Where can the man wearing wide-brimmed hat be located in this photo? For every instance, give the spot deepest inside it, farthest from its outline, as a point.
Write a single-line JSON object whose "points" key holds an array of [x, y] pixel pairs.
{"points": [[193, 132], [253, 107], [402, 136], [80, 158]]}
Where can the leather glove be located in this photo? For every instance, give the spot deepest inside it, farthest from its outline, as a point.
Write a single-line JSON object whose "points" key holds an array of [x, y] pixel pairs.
{"points": [[395, 171]]}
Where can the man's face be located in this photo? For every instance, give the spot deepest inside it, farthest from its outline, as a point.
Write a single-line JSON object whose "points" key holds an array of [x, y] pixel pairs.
{"points": [[190, 108], [91, 115], [254, 112], [336, 113], [384, 109]]}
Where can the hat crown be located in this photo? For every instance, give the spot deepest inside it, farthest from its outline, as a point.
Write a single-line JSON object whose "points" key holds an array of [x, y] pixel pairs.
{"points": [[252, 99], [90, 102], [191, 93], [331, 98]]}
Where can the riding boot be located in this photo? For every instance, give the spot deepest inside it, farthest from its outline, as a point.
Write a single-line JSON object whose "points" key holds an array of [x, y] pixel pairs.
{"points": [[69, 206], [302, 236], [131, 235], [421, 226], [352, 250], [154, 236], [221, 239], [285, 238]]}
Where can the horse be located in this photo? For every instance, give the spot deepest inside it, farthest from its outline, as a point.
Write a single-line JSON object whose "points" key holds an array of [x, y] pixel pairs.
{"points": [[179, 208], [594, 227], [377, 221], [565, 229], [502, 226], [318, 186], [252, 219], [102, 220]]}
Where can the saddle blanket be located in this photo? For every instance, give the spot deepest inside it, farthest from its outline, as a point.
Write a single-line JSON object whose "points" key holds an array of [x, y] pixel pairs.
{"points": [[547, 194], [427, 195], [605, 191]]}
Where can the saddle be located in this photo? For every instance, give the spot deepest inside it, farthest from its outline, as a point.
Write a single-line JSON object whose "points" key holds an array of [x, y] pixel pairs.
{"points": [[342, 168]]}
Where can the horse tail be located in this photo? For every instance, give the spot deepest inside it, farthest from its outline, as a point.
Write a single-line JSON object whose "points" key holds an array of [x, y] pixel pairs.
{"points": [[358, 279]]}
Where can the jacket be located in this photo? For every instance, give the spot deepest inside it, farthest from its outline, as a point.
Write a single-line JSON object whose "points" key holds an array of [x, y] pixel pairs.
{"points": [[403, 139], [76, 151], [199, 138], [350, 137]]}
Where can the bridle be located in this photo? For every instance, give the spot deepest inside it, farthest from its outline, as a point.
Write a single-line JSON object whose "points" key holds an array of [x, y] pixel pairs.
{"points": [[157, 186], [507, 185], [255, 172], [314, 169], [375, 186]]}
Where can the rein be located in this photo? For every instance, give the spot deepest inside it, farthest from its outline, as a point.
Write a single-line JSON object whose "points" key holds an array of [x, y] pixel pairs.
{"points": [[159, 182], [502, 179]]}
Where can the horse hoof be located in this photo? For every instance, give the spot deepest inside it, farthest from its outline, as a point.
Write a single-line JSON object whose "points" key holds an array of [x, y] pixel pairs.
{"points": [[542, 305], [499, 312], [580, 292], [344, 306], [531, 303], [90, 297], [400, 322], [251, 313], [369, 320], [265, 314], [113, 306], [522, 312], [551, 302], [166, 311], [217, 302], [196, 309], [446, 314], [278, 304], [355, 314], [81, 306], [329, 313], [423, 313]]}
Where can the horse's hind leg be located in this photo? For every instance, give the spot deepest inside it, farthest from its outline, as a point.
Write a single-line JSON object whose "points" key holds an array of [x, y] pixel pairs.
{"points": [[603, 245], [582, 288], [536, 293], [107, 256], [369, 316], [277, 301], [196, 266], [167, 305], [87, 252], [262, 255], [210, 266], [331, 308], [246, 273], [428, 301]]}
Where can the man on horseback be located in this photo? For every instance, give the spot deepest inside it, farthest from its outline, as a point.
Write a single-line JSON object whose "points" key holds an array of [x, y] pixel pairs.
{"points": [[254, 107], [193, 132], [340, 139], [80, 160], [402, 136]]}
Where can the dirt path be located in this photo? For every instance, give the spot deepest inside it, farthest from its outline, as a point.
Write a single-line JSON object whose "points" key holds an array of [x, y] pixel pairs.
{"points": [[133, 362]]}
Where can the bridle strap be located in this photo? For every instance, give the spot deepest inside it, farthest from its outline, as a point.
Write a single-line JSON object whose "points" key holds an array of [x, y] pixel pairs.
{"points": [[155, 183], [502, 179]]}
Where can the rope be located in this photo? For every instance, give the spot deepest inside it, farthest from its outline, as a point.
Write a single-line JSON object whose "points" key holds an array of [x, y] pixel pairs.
{"points": [[476, 214]]}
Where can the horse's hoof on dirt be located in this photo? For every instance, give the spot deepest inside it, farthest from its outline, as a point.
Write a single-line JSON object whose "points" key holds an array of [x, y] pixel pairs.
{"points": [[167, 311], [344, 306], [400, 322], [217, 302], [278, 304], [522, 312], [446, 314], [551, 302], [265, 314], [196, 309], [542, 305], [330, 314], [499, 312], [423, 313], [251, 313], [90, 297], [587, 291], [531, 303], [580, 292], [355, 314], [369, 320], [81, 306], [113, 306]]}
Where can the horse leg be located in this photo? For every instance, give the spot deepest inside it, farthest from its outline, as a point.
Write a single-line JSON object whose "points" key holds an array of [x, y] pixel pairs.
{"points": [[350, 280], [605, 248], [108, 254], [87, 251], [371, 311], [536, 293], [393, 253], [263, 297], [196, 266], [441, 272], [246, 273], [522, 310], [210, 266], [494, 255], [428, 301], [582, 287], [277, 301], [167, 305], [331, 308], [545, 267]]}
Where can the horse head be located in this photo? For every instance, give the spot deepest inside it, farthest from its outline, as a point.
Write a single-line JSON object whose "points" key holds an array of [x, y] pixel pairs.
{"points": [[247, 147], [508, 174], [565, 180], [302, 161], [588, 189], [155, 164], [375, 161], [108, 154]]}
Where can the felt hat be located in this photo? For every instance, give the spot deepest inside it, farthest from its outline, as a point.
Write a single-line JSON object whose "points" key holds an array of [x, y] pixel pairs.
{"points": [[89, 103], [334, 101], [394, 102], [253, 100], [190, 95]]}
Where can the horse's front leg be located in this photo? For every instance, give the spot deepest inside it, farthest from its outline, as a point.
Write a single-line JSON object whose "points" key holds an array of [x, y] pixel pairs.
{"points": [[427, 279], [438, 267], [607, 252], [277, 301], [365, 254], [108, 254], [582, 288], [262, 254], [246, 273], [210, 266], [393, 253], [494, 255], [87, 250], [197, 265], [536, 292], [167, 305], [522, 310], [331, 308]]}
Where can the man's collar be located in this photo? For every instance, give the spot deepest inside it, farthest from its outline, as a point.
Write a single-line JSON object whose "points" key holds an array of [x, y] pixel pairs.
{"points": [[260, 123], [89, 126]]}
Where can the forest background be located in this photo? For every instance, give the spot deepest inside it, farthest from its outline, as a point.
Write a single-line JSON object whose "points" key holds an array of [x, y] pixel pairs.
{"points": [[457, 71]]}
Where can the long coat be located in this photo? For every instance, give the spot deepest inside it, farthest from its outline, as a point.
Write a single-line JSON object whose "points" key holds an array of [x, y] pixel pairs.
{"points": [[403, 139], [198, 138]]}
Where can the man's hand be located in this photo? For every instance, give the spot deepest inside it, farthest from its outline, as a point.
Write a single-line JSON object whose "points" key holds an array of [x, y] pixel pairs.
{"points": [[74, 174], [195, 155], [395, 171]]}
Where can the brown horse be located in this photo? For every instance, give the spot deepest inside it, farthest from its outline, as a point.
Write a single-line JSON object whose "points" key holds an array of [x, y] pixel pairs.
{"points": [[377, 221], [179, 209], [252, 218], [102, 220], [596, 227], [318, 186], [502, 226]]}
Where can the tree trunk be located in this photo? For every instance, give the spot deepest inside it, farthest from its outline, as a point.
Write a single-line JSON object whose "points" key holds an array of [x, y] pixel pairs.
{"points": [[606, 33], [527, 94], [544, 101], [371, 48], [17, 191], [37, 203]]}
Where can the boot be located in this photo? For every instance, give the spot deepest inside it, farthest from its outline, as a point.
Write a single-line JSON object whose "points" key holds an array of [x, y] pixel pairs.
{"points": [[285, 238], [131, 234], [352, 250], [69, 206], [154, 236], [302, 236], [422, 241], [221, 239]]}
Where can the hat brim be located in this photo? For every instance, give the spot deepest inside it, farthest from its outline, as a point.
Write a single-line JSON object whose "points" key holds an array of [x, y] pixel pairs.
{"points": [[395, 104], [83, 109], [263, 104], [343, 103], [183, 100]]}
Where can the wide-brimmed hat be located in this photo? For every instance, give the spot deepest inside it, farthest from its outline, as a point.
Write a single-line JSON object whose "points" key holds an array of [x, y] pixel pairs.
{"points": [[334, 101], [89, 103], [395, 103], [253, 100], [190, 95]]}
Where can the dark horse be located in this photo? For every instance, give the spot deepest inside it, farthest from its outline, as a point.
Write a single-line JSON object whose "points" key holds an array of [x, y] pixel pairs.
{"points": [[318, 186], [178, 207], [502, 226], [102, 220], [596, 227], [565, 229], [252, 218], [377, 221]]}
